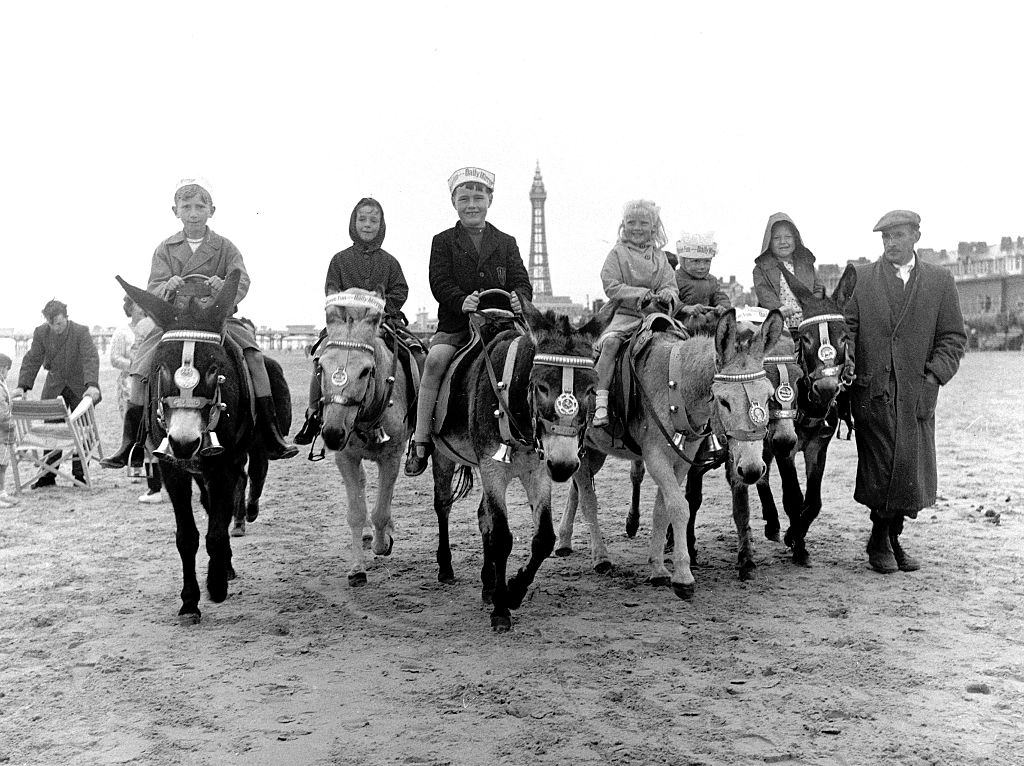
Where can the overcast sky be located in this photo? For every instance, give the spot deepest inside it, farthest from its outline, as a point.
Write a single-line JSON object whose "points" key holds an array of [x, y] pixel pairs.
{"points": [[721, 112]]}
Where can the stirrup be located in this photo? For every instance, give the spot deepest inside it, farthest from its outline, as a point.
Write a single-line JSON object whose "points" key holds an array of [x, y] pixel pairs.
{"points": [[415, 464]]}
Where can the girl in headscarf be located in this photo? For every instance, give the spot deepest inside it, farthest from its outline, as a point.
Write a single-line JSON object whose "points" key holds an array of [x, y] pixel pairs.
{"points": [[635, 272], [365, 265], [783, 248]]}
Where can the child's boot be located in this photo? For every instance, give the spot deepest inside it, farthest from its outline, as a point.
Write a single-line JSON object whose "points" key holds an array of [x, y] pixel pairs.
{"points": [[129, 433], [601, 410], [266, 419], [312, 425]]}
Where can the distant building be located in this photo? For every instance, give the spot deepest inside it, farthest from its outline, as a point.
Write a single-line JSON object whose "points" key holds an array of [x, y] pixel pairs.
{"points": [[989, 278]]}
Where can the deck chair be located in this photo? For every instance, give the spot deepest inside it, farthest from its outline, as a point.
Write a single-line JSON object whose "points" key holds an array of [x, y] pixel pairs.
{"points": [[47, 425]]}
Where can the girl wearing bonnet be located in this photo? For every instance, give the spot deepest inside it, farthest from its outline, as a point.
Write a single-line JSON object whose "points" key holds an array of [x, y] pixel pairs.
{"points": [[635, 273]]}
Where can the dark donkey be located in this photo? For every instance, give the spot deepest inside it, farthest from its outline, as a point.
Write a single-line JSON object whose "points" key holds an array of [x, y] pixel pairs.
{"points": [[825, 356], [529, 396], [199, 410]]}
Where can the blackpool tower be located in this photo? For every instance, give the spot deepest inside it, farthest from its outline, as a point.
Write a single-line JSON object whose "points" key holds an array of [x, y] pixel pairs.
{"points": [[539, 274]]}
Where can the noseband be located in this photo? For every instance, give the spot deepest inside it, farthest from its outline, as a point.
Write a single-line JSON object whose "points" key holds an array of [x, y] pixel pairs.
{"points": [[186, 378], [757, 412]]}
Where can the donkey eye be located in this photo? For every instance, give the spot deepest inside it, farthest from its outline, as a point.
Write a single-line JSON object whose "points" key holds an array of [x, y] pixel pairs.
{"points": [[364, 373], [542, 388], [725, 405]]}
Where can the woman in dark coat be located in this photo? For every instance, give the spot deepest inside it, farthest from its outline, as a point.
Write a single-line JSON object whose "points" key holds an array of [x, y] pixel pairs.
{"points": [[783, 248]]}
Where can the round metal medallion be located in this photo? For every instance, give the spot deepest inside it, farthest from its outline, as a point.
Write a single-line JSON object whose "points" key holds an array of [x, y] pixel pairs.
{"points": [[186, 377], [785, 393], [566, 405], [827, 353], [758, 414], [339, 377]]}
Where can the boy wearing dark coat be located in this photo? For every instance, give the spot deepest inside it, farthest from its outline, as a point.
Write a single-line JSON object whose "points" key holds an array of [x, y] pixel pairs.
{"points": [[904, 318], [470, 257]]}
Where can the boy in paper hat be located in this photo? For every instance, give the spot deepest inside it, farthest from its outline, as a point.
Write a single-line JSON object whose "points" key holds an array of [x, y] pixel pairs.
{"points": [[197, 249], [696, 285], [464, 260]]}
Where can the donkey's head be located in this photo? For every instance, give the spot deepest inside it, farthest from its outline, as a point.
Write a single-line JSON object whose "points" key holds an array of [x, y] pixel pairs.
{"points": [[192, 381], [741, 391], [562, 383], [822, 339], [348, 362]]}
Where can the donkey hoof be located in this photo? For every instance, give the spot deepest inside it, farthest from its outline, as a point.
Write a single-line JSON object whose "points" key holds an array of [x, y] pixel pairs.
{"points": [[391, 545], [238, 529], [189, 617], [684, 589], [801, 557], [563, 552], [446, 575], [501, 623], [487, 596], [661, 581], [603, 567], [632, 526], [252, 511], [357, 580], [747, 572], [788, 538], [231, 572], [771, 532], [218, 591]]}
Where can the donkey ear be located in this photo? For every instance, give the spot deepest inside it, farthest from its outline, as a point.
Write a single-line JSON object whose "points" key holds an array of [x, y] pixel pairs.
{"points": [[225, 300], [846, 285], [770, 332], [801, 292], [162, 312], [725, 338]]}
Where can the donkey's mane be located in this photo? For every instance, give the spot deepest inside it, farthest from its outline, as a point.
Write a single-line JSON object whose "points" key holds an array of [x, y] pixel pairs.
{"points": [[698, 364]]}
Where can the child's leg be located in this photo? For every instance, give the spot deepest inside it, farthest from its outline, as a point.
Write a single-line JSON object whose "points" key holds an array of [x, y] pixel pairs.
{"points": [[605, 368], [311, 427], [438, 358], [5, 501], [266, 414]]}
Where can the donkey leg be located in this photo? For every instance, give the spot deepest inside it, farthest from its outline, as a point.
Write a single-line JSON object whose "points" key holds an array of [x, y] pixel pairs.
{"points": [[257, 479], [636, 479], [815, 456], [599, 557], [792, 496], [538, 490], [497, 541], [224, 486], [741, 518], [186, 538], [383, 529], [237, 528], [563, 541], [354, 478], [669, 478], [694, 499], [443, 470], [769, 510]]}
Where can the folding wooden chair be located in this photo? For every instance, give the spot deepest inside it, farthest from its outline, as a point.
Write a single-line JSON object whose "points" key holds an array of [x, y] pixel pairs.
{"points": [[44, 426]]}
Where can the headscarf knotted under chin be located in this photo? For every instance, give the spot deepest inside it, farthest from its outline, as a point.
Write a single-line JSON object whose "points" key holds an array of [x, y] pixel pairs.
{"points": [[376, 242]]}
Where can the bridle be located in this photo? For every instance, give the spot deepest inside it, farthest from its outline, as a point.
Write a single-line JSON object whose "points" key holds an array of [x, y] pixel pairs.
{"points": [[567, 406], [785, 395], [757, 411], [186, 378], [826, 351], [827, 354]]}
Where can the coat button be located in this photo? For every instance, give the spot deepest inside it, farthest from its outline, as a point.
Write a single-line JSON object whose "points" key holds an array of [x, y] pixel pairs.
{"points": [[481, 273]]}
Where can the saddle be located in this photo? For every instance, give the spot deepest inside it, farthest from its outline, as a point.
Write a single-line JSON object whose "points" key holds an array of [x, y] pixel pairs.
{"points": [[623, 395], [411, 354]]}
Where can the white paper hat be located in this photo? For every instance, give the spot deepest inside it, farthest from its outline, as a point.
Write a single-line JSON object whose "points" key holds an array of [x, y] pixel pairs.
{"points": [[697, 245], [471, 175], [356, 298], [197, 180]]}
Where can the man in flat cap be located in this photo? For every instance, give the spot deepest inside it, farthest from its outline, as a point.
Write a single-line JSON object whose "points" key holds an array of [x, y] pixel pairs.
{"points": [[904, 316]]}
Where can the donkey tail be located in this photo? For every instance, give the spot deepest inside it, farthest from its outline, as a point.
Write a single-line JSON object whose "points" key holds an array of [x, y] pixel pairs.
{"points": [[462, 483]]}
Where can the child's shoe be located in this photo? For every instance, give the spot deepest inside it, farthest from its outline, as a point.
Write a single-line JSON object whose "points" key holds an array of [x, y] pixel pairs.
{"points": [[601, 410], [151, 497], [10, 501]]}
